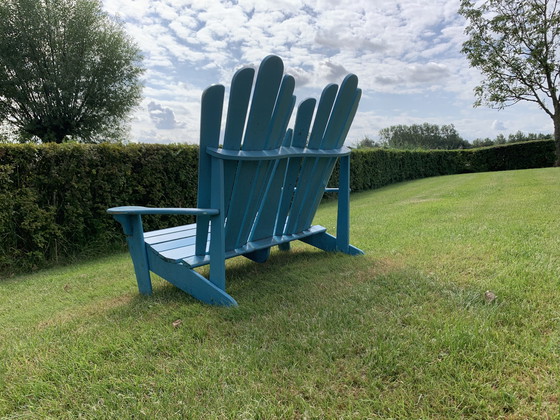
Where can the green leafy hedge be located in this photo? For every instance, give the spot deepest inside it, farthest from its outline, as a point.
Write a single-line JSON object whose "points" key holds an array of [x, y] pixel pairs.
{"points": [[378, 167], [374, 168], [53, 197], [525, 155]]}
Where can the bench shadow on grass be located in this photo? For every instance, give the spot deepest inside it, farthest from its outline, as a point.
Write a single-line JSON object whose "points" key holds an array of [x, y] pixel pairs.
{"points": [[284, 275], [307, 278]]}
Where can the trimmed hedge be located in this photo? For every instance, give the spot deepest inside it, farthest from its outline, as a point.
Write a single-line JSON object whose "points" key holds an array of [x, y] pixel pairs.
{"points": [[375, 168], [525, 155], [53, 198], [372, 169]]}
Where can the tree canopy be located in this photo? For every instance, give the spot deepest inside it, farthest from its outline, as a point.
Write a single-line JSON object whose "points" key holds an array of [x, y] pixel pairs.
{"points": [[66, 69], [422, 136], [517, 137], [515, 44], [367, 143]]}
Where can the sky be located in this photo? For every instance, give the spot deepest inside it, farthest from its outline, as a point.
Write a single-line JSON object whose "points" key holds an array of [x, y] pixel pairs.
{"points": [[406, 54]]}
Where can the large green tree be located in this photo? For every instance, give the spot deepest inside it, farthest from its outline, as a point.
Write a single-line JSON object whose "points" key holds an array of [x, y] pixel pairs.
{"points": [[422, 136], [66, 69], [515, 44]]}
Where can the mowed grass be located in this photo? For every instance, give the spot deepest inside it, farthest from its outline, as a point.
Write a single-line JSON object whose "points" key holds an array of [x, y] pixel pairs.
{"points": [[402, 332]]}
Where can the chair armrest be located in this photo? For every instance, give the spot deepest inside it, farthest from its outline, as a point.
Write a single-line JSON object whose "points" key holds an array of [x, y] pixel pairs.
{"points": [[156, 210], [333, 190]]}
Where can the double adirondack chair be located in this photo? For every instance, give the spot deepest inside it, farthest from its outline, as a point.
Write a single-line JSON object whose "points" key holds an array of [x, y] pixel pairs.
{"points": [[260, 189]]}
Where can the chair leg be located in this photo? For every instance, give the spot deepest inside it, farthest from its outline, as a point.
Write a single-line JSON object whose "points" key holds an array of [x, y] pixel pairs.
{"points": [[284, 246], [191, 282], [132, 226], [259, 256], [329, 243], [343, 214]]}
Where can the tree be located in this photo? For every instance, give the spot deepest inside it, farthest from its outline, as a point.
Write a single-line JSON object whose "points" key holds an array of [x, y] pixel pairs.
{"points": [[500, 139], [515, 44], [512, 138], [482, 142], [66, 69], [422, 136], [367, 143]]}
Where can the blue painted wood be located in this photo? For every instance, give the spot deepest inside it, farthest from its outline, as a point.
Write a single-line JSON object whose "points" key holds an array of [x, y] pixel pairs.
{"points": [[303, 122], [210, 122], [341, 110], [276, 154], [283, 109], [307, 174], [217, 240], [155, 233], [179, 243], [327, 242], [132, 226], [269, 78], [186, 255], [299, 140], [265, 218], [266, 169], [158, 242], [285, 246], [239, 98], [190, 282], [322, 116], [316, 173], [259, 256], [249, 182], [158, 210], [343, 215], [327, 166], [261, 189], [268, 212], [260, 213], [350, 118], [180, 253]]}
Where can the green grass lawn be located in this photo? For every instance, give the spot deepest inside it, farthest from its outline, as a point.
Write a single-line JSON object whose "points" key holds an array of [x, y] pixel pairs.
{"points": [[403, 332]]}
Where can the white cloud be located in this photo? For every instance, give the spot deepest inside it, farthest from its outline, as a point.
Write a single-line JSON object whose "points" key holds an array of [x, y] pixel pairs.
{"points": [[331, 71], [405, 48], [163, 117], [498, 125], [426, 73]]}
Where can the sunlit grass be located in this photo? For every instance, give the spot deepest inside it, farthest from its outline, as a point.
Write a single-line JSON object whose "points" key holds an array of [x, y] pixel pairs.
{"points": [[403, 332]]}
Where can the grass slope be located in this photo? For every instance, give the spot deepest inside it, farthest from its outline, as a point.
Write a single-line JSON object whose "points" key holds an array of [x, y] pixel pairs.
{"points": [[404, 332]]}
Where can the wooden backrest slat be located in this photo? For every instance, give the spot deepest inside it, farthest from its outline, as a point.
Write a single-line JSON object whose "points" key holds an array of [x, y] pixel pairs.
{"points": [[210, 122], [262, 178], [277, 194], [239, 97]]}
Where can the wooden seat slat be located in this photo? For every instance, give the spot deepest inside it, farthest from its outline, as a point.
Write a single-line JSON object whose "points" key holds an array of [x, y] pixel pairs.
{"points": [[166, 237], [165, 231]]}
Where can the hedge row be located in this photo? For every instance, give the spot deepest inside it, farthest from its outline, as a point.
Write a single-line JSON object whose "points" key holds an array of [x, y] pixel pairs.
{"points": [[53, 197], [525, 155], [374, 168]]}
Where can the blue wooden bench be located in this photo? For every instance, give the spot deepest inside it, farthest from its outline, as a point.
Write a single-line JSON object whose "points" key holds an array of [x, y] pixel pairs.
{"points": [[260, 189]]}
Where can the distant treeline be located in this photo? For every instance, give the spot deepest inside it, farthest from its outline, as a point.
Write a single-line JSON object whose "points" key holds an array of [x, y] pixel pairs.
{"points": [[512, 138], [434, 137]]}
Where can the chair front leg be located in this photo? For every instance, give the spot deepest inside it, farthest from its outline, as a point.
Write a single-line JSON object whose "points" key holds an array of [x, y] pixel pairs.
{"points": [[217, 227], [132, 226], [343, 215]]}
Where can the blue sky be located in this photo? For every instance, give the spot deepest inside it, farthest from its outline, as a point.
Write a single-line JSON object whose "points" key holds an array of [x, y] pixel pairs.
{"points": [[406, 54]]}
